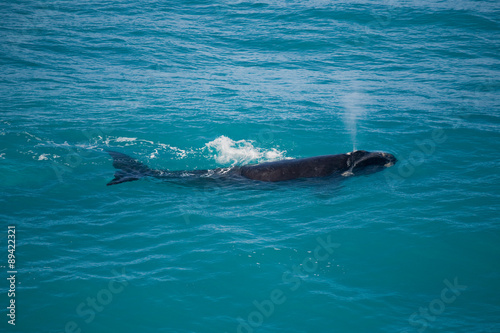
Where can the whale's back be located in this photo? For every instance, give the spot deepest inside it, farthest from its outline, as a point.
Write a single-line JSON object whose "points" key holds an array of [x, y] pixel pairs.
{"points": [[320, 166]]}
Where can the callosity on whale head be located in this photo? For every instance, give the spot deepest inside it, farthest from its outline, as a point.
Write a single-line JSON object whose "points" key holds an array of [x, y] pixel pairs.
{"points": [[365, 162]]}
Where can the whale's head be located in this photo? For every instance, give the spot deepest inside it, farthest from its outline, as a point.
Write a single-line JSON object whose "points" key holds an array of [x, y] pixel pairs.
{"points": [[365, 162]]}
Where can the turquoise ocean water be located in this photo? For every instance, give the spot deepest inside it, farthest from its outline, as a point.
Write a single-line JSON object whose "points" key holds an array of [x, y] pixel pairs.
{"points": [[186, 85]]}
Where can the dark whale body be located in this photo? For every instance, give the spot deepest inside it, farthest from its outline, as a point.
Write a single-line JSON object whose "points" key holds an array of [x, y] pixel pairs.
{"points": [[357, 162], [319, 166]]}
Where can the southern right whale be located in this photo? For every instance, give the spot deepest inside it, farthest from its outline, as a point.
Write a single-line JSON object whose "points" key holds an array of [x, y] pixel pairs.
{"points": [[353, 163]]}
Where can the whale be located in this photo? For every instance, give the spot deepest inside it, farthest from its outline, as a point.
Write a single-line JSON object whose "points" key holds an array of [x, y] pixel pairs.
{"points": [[359, 162]]}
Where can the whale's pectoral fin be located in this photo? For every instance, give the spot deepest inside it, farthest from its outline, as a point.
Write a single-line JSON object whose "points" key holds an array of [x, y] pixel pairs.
{"points": [[128, 168]]}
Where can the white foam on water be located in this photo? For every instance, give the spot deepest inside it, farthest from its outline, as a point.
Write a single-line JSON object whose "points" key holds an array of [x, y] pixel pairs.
{"points": [[225, 151], [154, 154], [228, 151], [125, 139], [180, 153]]}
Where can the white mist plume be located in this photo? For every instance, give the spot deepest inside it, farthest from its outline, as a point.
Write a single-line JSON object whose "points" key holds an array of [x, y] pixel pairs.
{"points": [[354, 109]]}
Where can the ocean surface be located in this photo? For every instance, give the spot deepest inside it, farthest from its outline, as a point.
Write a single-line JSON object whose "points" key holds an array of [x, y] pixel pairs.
{"points": [[185, 85]]}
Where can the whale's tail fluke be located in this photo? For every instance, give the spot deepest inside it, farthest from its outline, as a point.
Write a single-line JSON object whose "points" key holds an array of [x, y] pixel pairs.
{"points": [[128, 168]]}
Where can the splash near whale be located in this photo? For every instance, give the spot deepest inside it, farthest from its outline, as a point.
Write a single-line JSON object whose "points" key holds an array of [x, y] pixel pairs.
{"points": [[342, 165]]}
